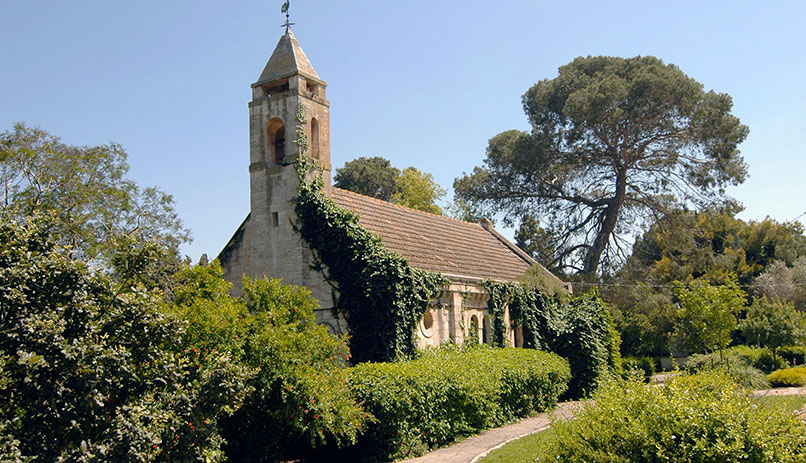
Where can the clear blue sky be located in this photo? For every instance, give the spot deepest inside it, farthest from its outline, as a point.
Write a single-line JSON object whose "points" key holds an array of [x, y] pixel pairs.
{"points": [[422, 83]]}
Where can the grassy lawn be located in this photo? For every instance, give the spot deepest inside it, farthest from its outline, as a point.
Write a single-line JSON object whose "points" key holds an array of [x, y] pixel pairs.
{"points": [[523, 450], [526, 449]]}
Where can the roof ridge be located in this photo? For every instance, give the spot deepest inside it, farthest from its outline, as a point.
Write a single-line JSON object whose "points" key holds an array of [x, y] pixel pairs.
{"points": [[405, 208]]}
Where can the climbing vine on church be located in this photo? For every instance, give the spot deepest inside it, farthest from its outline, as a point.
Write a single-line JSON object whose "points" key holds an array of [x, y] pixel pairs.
{"points": [[580, 330], [379, 294]]}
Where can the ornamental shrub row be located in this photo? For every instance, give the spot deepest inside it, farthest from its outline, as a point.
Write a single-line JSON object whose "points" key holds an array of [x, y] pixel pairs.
{"points": [[450, 393]]}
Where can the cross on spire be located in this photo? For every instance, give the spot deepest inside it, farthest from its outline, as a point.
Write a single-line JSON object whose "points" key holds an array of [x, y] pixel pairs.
{"points": [[284, 9]]}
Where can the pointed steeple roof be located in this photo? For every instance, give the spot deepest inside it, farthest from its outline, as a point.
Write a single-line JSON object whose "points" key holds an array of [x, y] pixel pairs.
{"points": [[287, 60]]}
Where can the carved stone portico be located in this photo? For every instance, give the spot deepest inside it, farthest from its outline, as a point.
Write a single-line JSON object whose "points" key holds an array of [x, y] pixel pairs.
{"points": [[265, 244]]}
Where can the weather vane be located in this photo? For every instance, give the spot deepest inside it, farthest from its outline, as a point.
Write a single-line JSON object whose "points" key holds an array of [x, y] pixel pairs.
{"points": [[284, 9]]}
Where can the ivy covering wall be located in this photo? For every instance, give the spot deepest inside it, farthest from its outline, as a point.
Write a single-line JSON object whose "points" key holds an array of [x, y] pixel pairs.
{"points": [[379, 294], [581, 330]]}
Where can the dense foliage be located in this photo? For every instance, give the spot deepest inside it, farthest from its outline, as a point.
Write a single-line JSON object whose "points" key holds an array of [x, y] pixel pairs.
{"points": [[379, 294], [773, 324], [373, 176], [702, 418], [686, 245], [613, 141], [580, 330], [707, 313], [739, 368], [450, 393], [299, 399], [759, 357], [644, 365], [784, 281], [795, 355], [93, 370], [86, 192], [376, 177]]}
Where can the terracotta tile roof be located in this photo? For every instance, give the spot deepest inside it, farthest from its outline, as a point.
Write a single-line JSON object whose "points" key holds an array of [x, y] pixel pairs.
{"points": [[432, 242]]}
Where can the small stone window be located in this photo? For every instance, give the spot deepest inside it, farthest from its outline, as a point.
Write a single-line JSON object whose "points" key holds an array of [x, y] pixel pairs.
{"points": [[275, 219], [473, 335], [315, 138]]}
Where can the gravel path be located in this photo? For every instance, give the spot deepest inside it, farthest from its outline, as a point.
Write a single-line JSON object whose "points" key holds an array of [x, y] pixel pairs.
{"points": [[474, 448]]}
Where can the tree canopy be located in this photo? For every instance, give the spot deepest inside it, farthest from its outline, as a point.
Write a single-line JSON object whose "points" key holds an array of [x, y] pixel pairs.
{"points": [[373, 176], [85, 190], [712, 243], [612, 141], [376, 177], [418, 190]]}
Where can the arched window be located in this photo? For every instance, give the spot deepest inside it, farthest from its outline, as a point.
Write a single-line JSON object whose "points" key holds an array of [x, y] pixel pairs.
{"points": [[473, 336], [315, 138], [275, 135]]}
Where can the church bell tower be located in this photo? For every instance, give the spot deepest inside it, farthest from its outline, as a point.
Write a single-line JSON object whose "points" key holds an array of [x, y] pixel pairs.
{"points": [[266, 243]]}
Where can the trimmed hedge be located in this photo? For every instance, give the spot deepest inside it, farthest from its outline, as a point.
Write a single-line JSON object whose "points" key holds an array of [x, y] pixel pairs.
{"points": [[450, 393], [790, 377]]}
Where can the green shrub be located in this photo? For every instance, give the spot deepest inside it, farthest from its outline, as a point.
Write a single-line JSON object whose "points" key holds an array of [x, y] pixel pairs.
{"points": [[790, 377], [734, 366], [94, 370], [795, 355], [759, 357], [451, 393], [702, 418], [646, 365], [300, 397]]}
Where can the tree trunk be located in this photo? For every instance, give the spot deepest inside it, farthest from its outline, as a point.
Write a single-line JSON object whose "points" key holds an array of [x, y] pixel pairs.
{"points": [[594, 255]]}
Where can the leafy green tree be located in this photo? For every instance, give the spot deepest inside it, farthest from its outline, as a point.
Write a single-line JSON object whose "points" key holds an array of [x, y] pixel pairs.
{"points": [[300, 398], [373, 177], [707, 313], [93, 370], [683, 245], [418, 190], [613, 141], [85, 190], [773, 324], [377, 178]]}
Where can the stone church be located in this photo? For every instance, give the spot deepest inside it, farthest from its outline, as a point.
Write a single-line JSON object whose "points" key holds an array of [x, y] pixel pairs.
{"points": [[265, 244]]}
